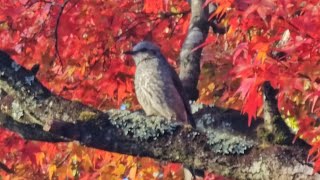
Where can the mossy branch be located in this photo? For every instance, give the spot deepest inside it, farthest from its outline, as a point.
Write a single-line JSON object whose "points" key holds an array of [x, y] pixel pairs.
{"points": [[222, 142]]}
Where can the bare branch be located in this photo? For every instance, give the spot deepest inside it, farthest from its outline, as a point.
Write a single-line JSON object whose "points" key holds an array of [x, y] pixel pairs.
{"points": [[5, 168], [56, 30]]}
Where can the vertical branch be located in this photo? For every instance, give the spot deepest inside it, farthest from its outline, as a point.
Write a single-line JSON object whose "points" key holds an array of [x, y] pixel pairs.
{"points": [[56, 30], [275, 129], [190, 60]]}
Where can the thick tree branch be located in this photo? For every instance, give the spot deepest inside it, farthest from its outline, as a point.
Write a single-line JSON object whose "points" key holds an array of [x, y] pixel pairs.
{"points": [[275, 129], [190, 60], [222, 142]]}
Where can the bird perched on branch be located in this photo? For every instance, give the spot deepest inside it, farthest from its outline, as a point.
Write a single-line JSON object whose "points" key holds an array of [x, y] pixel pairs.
{"points": [[157, 85]]}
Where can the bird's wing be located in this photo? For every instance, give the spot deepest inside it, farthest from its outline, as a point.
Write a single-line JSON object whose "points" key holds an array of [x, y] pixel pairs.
{"points": [[180, 89]]}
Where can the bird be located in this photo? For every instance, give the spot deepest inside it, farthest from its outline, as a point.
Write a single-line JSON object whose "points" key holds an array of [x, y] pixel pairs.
{"points": [[157, 85]]}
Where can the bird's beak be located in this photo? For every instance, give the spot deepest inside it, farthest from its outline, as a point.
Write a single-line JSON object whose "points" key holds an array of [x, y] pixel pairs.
{"points": [[129, 52]]}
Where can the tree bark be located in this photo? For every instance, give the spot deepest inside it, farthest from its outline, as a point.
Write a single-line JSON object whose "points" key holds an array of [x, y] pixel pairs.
{"points": [[222, 142], [275, 129], [189, 58]]}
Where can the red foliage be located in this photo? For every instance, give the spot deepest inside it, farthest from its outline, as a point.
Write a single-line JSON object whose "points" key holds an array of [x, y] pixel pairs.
{"points": [[278, 41], [275, 41], [39, 160], [80, 44]]}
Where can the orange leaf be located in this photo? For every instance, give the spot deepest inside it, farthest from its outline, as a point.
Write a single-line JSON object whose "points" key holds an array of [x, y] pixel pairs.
{"points": [[52, 169], [39, 158], [132, 172], [86, 162]]}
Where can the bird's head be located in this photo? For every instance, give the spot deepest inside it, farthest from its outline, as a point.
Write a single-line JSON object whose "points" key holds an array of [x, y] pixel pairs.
{"points": [[143, 51]]}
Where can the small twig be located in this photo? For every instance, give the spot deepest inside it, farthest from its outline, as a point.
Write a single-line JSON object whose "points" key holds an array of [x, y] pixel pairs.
{"points": [[169, 14], [73, 5], [63, 159], [174, 26], [56, 30], [6, 168]]}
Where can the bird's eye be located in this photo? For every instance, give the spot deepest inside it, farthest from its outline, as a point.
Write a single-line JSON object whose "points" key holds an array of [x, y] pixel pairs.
{"points": [[143, 49], [153, 51]]}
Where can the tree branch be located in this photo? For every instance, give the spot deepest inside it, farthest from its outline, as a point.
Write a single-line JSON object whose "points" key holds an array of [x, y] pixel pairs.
{"points": [[56, 30], [275, 129], [222, 142], [5, 168], [190, 60]]}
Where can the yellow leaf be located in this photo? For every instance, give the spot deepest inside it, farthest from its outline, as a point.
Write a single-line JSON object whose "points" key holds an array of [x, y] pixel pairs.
{"points": [[74, 159], [262, 49], [74, 172], [262, 55], [203, 92], [307, 85], [211, 87], [292, 122], [129, 160], [70, 70], [52, 168], [133, 172], [174, 10], [119, 170]]}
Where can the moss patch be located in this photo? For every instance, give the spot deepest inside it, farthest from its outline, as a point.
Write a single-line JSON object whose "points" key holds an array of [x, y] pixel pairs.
{"points": [[136, 125]]}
